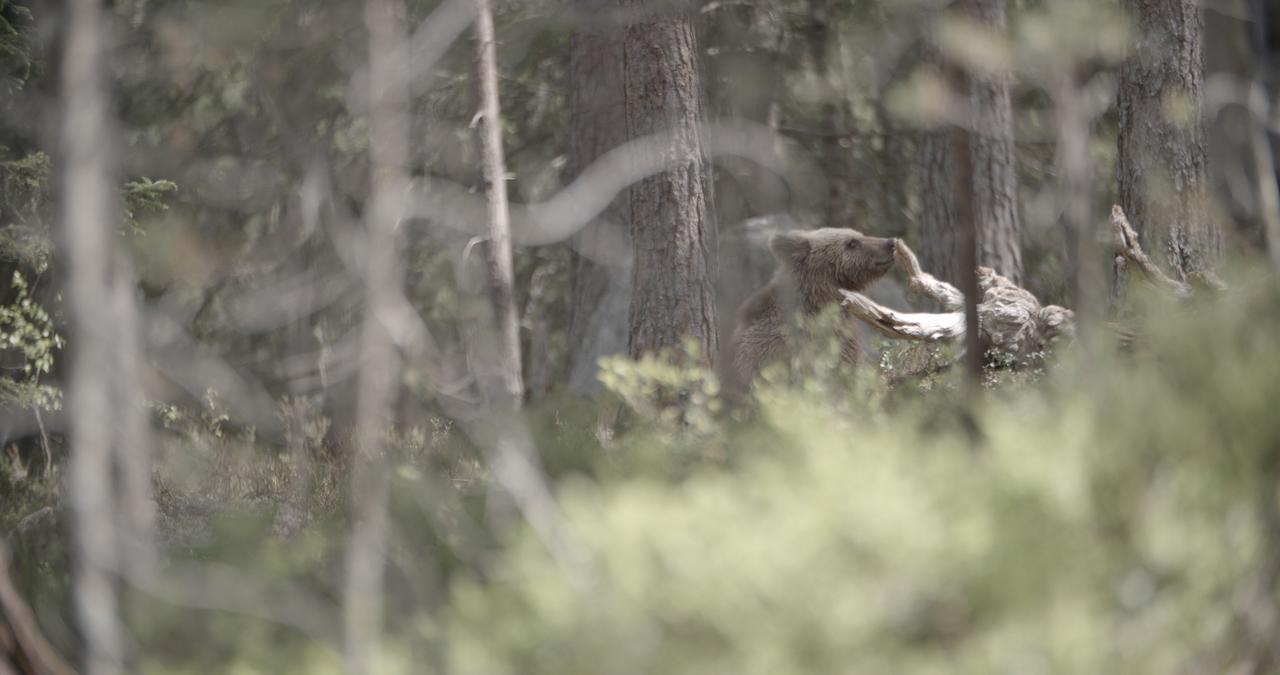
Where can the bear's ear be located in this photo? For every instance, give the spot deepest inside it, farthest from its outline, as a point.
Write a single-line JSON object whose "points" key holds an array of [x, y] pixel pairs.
{"points": [[789, 246]]}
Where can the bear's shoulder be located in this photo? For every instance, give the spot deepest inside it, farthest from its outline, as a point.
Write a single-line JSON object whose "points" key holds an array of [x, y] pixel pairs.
{"points": [[761, 306]]}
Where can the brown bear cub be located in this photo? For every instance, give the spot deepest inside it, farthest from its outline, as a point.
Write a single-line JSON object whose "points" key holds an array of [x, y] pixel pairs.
{"points": [[813, 265]]}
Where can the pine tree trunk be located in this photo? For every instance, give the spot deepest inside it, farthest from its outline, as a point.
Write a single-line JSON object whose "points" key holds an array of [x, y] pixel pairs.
{"points": [[1162, 149], [937, 216], [674, 240], [598, 321], [992, 163], [995, 172]]}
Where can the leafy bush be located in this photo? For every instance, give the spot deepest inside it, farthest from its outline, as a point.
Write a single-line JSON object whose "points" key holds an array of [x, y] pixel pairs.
{"points": [[25, 327], [1111, 520]]}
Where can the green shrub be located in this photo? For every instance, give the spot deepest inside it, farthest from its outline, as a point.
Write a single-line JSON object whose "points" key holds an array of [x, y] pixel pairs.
{"points": [[1106, 521]]}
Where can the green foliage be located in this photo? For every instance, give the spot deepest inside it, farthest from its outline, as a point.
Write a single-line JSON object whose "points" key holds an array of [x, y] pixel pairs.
{"points": [[673, 390], [1100, 523], [145, 196], [24, 186], [1104, 516], [24, 199], [25, 327], [16, 62]]}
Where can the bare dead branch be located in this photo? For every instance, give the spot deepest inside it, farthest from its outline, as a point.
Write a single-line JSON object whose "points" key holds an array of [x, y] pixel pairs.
{"points": [[905, 326], [926, 284]]}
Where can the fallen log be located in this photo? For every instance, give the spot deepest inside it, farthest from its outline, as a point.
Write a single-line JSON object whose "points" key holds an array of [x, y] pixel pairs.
{"points": [[1011, 320]]}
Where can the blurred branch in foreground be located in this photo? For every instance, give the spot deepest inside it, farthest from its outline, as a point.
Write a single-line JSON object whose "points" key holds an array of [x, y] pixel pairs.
{"points": [[378, 378], [110, 477]]}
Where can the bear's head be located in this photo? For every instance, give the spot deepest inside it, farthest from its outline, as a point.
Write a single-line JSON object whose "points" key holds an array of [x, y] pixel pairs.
{"points": [[821, 261]]}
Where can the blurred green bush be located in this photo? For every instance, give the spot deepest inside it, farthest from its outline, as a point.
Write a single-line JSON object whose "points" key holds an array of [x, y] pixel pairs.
{"points": [[1118, 517]]}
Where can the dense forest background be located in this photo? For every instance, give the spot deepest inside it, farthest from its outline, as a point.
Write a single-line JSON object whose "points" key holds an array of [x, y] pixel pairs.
{"points": [[396, 337]]}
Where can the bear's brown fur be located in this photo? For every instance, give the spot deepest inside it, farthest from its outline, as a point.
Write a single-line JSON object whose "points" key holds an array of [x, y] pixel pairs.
{"points": [[813, 265]]}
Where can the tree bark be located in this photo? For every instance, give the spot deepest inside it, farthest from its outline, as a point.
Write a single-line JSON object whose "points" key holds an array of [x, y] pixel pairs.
{"points": [[938, 243], [995, 174], [598, 316], [674, 240], [967, 253], [501, 267], [992, 165], [1162, 148]]}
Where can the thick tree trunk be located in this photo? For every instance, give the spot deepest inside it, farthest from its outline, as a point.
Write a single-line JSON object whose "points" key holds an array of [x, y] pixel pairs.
{"points": [[938, 247], [598, 323], [674, 240], [1162, 149], [991, 163], [995, 173]]}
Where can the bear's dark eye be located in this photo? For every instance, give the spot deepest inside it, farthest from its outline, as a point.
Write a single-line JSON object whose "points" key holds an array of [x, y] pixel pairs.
{"points": [[853, 243]]}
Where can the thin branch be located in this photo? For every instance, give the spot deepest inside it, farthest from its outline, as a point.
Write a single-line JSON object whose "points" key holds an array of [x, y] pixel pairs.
{"points": [[44, 441], [501, 274]]}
